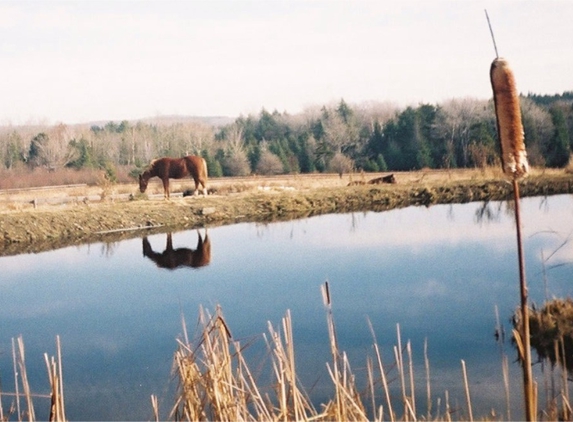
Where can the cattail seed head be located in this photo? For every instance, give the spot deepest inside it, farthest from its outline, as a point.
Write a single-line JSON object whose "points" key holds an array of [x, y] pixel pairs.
{"points": [[508, 117]]}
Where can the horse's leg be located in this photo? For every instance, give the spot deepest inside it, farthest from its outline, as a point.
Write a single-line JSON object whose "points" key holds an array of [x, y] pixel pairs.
{"points": [[166, 188], [202, 183], [196, 192]]}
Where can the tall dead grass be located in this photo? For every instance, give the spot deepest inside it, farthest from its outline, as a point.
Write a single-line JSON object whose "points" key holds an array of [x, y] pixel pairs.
{"points": [[552, 339], [216, 383], [26, 178], [22, 399], [569, 167]]}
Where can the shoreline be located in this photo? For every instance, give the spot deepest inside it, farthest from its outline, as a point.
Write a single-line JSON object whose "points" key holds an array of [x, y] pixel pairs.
{"points": [[52, 227]]}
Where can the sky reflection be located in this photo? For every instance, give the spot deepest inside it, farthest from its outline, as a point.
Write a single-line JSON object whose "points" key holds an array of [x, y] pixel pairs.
{"points": [[439, 272]]}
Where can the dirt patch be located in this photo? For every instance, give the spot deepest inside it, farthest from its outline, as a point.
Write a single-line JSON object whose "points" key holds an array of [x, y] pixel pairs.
{"points": [[78, 219]]}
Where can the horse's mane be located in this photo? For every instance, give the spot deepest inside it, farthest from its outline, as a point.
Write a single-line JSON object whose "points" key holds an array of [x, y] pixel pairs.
{"points": [[151, 165]]}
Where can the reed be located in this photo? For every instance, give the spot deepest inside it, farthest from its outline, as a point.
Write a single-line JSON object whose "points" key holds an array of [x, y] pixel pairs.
{"points": [[55, 375], [514, 163], [467, 390], [216, 383], [22, 406]]}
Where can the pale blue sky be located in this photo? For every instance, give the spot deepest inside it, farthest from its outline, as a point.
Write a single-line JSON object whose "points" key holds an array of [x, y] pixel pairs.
{"points": [[78, 61]]}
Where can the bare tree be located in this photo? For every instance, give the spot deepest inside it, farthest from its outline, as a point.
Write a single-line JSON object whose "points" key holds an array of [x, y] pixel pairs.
{"points": [[52, 149], [339, 134], [235, 141], [340, 164], [370, 112], [538, 127], [196, 138], [454, 121], [269, 163], [236, 162]]}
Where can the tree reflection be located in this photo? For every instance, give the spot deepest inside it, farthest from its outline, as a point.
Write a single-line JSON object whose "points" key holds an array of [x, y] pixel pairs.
{"points": [[488, 212]]}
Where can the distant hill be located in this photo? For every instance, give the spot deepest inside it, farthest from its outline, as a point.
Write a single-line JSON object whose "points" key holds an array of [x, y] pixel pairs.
{"points": [[169, 120], [215, 121]]}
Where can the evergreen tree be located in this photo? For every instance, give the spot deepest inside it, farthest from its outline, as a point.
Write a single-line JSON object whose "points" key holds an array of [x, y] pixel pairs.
{"points": [[305, 155], [85, 156], [391, 150], [414, 149], [214, 168], [381, 163], [558, 149], [375, 144], [35, 155]]}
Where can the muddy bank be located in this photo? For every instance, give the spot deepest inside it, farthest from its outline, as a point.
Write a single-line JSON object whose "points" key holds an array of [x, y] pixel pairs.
{"points": [[52, 227]]}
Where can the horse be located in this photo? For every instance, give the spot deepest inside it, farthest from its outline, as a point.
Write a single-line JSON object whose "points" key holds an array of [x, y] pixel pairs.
{"points": [[181, 257], [176, 168], [384, 179], [379, 180]]}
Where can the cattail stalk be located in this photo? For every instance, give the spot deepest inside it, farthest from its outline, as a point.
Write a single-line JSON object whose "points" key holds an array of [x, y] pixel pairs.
{"points": [[525, 336], [515, 165]]}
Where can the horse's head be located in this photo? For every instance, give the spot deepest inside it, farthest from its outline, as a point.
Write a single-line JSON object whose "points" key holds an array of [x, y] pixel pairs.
{"points": [[143, 179]]}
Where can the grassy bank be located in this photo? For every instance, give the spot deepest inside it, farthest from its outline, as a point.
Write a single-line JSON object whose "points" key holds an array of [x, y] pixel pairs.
{"points": [[33, 229]]}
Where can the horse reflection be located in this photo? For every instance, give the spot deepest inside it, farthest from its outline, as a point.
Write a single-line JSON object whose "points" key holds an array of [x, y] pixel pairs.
{"points": [[181, 257]]}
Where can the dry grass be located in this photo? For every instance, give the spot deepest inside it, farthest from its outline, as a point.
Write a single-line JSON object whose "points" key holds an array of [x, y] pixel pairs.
{"points": [[552, 332], [18, 190], [216, 383], [22, 399], [551, 329], [569, 167], [23, 177]]}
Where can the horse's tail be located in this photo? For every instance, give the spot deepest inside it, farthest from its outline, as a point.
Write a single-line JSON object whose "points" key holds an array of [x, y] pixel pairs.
{"points": [[205, 168]]}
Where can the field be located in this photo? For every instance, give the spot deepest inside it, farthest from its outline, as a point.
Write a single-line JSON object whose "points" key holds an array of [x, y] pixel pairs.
{"points": [[32, 220]]}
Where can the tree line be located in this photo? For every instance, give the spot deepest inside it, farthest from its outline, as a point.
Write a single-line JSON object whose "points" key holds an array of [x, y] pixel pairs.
{"points": [[340, 138]]}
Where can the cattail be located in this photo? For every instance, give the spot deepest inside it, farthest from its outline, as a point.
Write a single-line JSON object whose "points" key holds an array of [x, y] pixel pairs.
{"points": [[508, 116]]}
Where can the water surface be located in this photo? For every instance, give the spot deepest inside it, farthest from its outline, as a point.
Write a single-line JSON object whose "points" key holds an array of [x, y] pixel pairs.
{"points": [[438, 272]]}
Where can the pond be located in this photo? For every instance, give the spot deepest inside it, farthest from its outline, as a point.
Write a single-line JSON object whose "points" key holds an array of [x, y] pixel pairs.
{"points": [[439, 272]]}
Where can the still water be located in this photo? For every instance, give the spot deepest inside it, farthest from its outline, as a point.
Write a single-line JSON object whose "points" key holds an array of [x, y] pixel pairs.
{"points": [[438, 272]]}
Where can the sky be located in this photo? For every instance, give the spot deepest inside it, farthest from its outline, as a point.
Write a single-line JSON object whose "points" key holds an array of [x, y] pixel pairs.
{"points": [[83, 61]]}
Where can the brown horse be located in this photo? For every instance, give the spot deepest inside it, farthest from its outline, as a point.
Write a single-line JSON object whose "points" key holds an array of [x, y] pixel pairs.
{"points": [[176, 168], [384, 179], [181, 257], [379, 180]]}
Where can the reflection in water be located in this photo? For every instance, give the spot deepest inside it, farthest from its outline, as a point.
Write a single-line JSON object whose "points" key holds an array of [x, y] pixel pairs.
{"points": [[488, 212], [181, 257], [492, 211]]}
